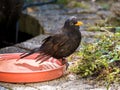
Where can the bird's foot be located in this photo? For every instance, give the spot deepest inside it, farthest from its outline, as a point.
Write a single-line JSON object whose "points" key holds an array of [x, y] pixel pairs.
{"points": [[64, 61]]}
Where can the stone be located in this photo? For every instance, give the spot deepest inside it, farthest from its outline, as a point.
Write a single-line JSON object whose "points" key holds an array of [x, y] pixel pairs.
{"points": [[116, 8]]}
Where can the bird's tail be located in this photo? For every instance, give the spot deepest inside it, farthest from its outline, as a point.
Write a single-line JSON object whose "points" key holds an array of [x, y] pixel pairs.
{"points": [[42, 55], [23, 55]]}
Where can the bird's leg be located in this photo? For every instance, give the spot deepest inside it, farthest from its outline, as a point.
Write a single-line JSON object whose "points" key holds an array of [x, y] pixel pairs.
{"points": [[64, 61]]}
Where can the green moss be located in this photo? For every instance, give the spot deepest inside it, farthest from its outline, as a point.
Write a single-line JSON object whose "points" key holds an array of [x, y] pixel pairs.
{"points": [[81, 4], [105, 6], [93, 28], [73, 3], [62, 2], [117, 29]]}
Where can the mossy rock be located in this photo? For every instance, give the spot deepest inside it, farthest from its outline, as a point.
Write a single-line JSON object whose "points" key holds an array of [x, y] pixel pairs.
{"points": [[114, 21], [30, 25]]}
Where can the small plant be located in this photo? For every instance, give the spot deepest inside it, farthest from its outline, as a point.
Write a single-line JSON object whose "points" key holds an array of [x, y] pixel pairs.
{"points": [[99, 59]]}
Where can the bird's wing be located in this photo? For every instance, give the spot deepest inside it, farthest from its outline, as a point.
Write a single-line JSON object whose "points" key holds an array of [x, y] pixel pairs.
{"points": [[46, 39], [59, 41], [52, 45], [54, 42]]}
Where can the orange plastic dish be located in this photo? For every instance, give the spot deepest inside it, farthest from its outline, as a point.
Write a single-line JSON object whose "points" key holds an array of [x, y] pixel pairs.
{"points": [[27, 70]]}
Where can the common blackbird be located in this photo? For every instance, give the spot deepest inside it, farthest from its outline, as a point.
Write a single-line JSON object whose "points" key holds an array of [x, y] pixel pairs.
{"points": [[60, 45]]}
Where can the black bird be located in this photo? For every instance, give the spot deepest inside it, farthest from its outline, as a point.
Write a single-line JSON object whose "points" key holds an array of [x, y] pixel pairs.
{"points": [[60, 45]]}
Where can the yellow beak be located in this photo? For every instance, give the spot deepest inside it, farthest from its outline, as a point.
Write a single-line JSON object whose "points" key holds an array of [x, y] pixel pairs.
{"points": [[79, 23]]}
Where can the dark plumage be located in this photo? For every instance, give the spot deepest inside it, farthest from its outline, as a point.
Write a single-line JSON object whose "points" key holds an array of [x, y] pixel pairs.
{"points": [[60, 45]]}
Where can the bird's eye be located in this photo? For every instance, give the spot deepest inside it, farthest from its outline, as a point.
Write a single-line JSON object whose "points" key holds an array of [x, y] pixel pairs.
{"points": [[71, 23]]}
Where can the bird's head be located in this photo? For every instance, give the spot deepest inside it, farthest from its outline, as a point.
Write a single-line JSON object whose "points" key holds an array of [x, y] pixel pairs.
{"points": [[72, 22]]}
